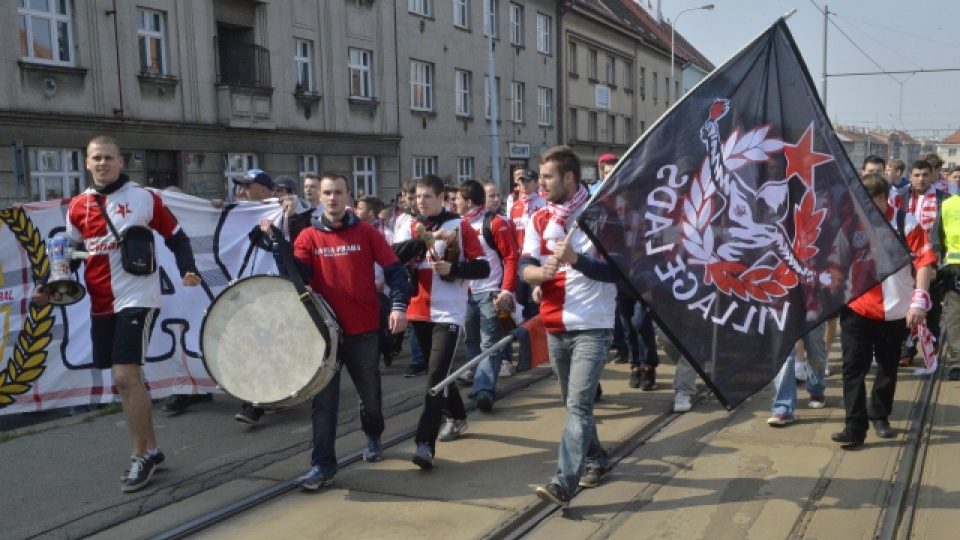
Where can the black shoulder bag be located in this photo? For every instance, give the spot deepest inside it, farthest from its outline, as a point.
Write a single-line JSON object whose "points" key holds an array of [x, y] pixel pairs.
{"points": [[136, 246]]}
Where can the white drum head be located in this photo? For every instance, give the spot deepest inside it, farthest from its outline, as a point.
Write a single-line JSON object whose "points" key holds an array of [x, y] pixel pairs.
{"points": [[259, 343]]}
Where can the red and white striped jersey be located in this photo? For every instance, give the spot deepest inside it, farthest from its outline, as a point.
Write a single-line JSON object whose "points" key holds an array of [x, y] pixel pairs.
{"points": [[923, 206], [111, 288], [890, 300], [521, 212], [571, 300], [438, 300], [503, 272]]}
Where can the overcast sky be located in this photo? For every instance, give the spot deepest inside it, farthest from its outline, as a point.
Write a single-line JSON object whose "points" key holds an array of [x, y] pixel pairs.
{"points": [[897, 34]]}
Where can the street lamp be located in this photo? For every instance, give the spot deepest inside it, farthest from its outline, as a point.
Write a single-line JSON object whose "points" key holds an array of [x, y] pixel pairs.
{"points": [[673, 32]]}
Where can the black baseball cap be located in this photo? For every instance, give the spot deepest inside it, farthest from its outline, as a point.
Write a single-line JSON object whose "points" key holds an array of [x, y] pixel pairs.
{"points": [[255, 176], [529, 174], [286, 183]]}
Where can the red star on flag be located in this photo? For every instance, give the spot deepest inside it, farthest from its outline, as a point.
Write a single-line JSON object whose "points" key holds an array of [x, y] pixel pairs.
{"points": [[801, 159], [124, 209]]}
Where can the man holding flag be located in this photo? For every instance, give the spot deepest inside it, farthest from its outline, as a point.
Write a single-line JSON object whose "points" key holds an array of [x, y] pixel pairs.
{"points": [[577, 311]]}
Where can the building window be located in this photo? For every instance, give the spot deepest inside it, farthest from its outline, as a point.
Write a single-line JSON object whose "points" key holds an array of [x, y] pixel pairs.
{"points": [[464, 169], [627, 129], [364, 176], [303, 64], [516, 101], [490, 17], [420, 7], [676, 88], [610, 70], [951, 152], [592, 126], [424, 165], [592, 64], [666, 91], [151, 37], [462, 86], [545, 106], [45, 33], [308, 163], [487, 102], [643, 127], [235, 166], [544, 33], [573, 124], [654, 87], [572, 58], [643, 82], [627, 76], [361, 79], [611, 128], [421, 86], [461, 13], [516, 24], [55, 173]]}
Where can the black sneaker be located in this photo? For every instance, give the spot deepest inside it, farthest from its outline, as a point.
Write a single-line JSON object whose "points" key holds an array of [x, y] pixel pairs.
{"points": [[414, 371], [636, 376], [249, 414], [554, 494], [847, 438], [139, 474], [156, 457], [884, 431], [649, 378], [484, 401], [423, 457], [176, 404], [591, 476]]}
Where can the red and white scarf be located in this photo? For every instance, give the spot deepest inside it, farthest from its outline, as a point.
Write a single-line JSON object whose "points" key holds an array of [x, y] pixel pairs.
{"points": [[923, 207], [528, 200], [560, 213], [472, 213]]}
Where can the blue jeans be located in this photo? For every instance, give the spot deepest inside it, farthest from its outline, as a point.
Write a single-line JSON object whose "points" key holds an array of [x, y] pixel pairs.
{"points": [[786, 381], [483, 330], [578, 358], [361, 358]]}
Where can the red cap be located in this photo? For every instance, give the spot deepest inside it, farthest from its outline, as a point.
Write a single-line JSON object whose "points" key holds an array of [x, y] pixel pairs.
{"points": [[607, 158]]}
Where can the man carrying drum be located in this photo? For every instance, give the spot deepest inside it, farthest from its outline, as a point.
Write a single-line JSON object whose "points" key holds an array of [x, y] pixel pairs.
{"points": [[337, 255]]}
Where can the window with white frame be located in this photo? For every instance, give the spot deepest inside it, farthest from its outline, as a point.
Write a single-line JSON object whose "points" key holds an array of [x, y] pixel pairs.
{"points": [[610, 70], [461, 13], [627, 129], [654, 87], [666, 90], [611, 128], [420, 7], [592, 126], [424, 165], [55, 173], [572, 58], [643, 82], [464, 169], [572, 128], [592, 64], [308, 163], [303, 64], [516, 24], [545, 106], [45, 31], [152, 41], [235, 166], [359, 64], [643, 127], [421, 86], [364, 176], [544, 33], [490, 17], [487, 102], [516, 101], [462, 86], [627, 76]]}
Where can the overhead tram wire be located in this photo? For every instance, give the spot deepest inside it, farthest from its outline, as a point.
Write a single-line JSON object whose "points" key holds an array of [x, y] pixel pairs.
{"points": [[878, 41], [858, 47]]}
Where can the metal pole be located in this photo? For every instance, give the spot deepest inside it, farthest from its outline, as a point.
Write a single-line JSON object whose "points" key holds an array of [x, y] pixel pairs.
{"points": [[672, 92], [823, 84], [494, 95], [469, 365]]}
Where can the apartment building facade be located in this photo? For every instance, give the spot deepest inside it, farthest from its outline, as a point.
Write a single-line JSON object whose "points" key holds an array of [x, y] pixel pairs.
{"points": [[197, 92]]}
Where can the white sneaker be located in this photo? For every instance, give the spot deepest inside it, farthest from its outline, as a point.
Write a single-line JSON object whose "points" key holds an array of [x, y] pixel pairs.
{"points": [[682, 403], [507, 369], [451, 429]]}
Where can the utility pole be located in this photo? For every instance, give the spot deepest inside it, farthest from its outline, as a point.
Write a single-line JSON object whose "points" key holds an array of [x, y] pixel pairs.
{"points": [[494, 94], [823, 83]]}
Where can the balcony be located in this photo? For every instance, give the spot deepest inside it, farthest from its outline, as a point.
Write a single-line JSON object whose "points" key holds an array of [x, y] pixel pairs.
{"points": [[244, 93]]}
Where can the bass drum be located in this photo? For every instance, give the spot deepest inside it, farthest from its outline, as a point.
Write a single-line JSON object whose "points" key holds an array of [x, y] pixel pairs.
{"points": [[260, 344]]}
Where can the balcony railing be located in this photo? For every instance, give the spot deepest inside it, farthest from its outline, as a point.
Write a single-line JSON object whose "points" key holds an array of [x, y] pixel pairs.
{"points": [[242, 64]]}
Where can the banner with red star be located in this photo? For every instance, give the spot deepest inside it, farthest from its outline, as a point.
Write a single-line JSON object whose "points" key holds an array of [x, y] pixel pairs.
{"points": [[728, 216]]}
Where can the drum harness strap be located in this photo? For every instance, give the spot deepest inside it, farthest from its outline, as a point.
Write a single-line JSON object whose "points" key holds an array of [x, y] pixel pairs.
{"points": [[285, 251]]}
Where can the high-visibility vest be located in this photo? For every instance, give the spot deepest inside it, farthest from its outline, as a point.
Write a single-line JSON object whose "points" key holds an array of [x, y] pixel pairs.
{"points": [[950, 221]]}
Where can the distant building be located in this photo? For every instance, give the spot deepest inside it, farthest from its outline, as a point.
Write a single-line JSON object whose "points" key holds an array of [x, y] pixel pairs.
{"points": [[949, 150]]}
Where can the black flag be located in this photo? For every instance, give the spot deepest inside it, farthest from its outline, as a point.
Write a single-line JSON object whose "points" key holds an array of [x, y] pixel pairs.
{"points": [[740, 221]]}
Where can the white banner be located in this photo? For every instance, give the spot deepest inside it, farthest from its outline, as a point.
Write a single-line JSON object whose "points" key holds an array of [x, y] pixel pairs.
{"points": [[46, 351]]}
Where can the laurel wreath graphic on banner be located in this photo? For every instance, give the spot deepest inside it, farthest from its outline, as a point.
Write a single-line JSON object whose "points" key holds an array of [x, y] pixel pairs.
{"points": [[30, 350], [760, 282]]}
